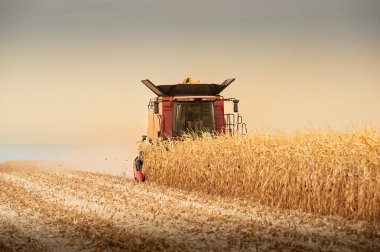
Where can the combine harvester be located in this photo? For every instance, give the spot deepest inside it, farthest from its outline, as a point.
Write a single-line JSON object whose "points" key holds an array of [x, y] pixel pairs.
{"points": [[190, 107]]}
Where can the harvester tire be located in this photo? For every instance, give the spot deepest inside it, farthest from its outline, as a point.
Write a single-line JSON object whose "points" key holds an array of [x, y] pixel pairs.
{"points": [[137, 173]]}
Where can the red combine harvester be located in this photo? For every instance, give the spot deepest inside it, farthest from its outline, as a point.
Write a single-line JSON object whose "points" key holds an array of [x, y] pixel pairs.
{"points": [[188, 107]]}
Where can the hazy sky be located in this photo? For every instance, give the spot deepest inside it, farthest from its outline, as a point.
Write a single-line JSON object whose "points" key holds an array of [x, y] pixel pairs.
{"points": [[70, 70]]}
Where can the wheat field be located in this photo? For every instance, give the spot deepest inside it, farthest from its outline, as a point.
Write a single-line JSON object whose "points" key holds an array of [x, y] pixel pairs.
{"points": [[323, 172], [45, 208]]}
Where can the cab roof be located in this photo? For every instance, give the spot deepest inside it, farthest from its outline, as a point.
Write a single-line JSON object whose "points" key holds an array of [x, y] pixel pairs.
{"points": [[203, 89]]}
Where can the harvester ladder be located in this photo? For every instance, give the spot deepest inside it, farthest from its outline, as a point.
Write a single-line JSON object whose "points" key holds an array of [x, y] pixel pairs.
{"points": [[234, 124]]}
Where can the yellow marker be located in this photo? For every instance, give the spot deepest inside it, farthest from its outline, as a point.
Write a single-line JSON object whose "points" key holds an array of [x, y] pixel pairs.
{"points": [[188, 80]]}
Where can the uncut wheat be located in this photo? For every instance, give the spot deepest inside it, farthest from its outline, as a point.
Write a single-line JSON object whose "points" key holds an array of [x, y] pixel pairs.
{"points": [[315, 171]]}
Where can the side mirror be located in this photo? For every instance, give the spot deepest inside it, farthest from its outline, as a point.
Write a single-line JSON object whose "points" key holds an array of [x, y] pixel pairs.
{"points": [[156, 109], [236, 106]]}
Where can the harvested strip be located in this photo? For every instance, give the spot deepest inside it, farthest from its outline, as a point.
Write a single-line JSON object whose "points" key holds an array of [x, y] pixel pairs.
{"points": [[13, 236], [194, 220], [90, 232]]}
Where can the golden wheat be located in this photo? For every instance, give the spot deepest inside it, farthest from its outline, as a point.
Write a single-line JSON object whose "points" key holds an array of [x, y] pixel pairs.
{"points": [[315, 171]]}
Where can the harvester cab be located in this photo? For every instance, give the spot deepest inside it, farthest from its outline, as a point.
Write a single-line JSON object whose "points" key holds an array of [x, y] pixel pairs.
{"points": [[189, 107]]}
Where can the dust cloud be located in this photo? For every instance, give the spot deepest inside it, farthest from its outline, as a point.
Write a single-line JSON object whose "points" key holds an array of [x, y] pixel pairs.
{"points": [[113, 160]]}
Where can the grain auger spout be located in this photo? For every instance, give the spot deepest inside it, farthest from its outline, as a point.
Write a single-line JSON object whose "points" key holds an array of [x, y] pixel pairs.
{"points": [[190, 107]]}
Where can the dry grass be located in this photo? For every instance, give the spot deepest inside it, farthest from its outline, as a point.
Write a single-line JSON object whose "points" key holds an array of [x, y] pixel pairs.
{"points": [[319, 172]]}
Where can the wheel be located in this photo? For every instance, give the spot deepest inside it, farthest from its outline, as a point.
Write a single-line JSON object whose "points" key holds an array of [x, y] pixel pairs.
{"points": [[137, 169], [134, 168]]}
